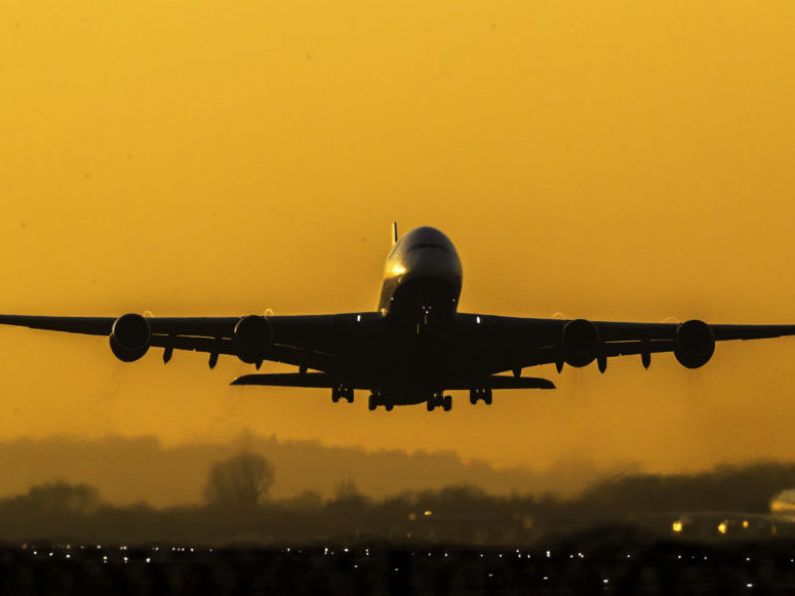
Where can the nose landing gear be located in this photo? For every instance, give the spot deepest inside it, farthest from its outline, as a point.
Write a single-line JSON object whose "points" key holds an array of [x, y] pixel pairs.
{"points": [[342, 392]]}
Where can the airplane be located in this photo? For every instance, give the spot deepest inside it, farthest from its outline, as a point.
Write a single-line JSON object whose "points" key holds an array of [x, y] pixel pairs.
{"points": [[415, 346]]}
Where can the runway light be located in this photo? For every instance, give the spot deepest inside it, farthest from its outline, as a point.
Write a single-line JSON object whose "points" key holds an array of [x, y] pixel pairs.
{"points": [[677, 526], [723, 527], [427, 513], [745, 524]]}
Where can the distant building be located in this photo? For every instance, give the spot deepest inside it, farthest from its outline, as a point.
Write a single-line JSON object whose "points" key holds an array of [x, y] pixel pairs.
{"points": [[783, 505]]}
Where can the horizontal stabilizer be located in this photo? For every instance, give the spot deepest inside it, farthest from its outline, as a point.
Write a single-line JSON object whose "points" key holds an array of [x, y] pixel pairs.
{"points": [[506, 382], [287, 380], [326, 381]]}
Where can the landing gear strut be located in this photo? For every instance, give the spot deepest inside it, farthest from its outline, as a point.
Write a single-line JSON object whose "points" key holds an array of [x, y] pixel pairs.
{"points": [[478, 394], [439, 400]]}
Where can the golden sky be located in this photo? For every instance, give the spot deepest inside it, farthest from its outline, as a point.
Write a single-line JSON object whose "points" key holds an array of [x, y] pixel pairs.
{"points": [[619, 159]]}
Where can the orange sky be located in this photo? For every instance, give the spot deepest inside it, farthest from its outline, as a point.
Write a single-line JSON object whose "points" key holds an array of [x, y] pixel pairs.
{"points": [[621, 159]]}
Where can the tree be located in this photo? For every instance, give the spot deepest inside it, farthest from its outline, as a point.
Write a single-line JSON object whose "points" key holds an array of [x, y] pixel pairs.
{"points": [[346, 490], [62, 497], [243, 480]]}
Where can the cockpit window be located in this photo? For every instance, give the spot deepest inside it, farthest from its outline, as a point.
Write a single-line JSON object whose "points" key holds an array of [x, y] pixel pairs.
{"points": [[420, 245]]}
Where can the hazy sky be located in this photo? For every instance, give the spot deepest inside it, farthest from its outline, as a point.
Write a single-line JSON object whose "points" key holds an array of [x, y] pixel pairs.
{"points": [[616, 159]]}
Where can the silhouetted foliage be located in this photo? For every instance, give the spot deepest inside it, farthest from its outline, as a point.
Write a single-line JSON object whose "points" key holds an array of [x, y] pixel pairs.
{"points": [[240, 481], [237, 510], [62, 497]]}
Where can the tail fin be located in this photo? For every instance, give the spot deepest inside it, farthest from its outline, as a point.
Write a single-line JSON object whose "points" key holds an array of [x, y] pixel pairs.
{"points": [[394, 233]]}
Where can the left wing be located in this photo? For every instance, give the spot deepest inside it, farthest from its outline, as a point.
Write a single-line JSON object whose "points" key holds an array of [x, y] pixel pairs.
{"points": [[494, 344]]}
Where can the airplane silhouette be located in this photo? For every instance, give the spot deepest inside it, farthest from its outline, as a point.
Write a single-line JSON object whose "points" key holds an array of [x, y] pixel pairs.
{"points": [[415, 346]]}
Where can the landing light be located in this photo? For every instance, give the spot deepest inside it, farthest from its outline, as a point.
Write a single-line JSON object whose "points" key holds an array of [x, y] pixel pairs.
{"points": [[398, 269], [677, 527], [723, 527]]}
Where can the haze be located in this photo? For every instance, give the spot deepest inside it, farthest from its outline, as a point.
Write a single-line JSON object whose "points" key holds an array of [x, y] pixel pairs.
{"points": [[616, 160]]}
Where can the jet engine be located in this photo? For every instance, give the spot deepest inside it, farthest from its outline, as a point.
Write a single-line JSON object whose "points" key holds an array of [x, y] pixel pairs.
{"points": [[130, 337], [581, 342], [253, 335], [694, 343]]}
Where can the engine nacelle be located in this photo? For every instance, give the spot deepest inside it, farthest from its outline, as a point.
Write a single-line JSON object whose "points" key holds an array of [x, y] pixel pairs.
{"points": [[253, 335], [694, 343], [581, 342], [130, 337]]}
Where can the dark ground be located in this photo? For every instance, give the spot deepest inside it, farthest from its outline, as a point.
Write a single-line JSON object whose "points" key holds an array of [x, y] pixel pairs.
{"points": [[604, 561]]}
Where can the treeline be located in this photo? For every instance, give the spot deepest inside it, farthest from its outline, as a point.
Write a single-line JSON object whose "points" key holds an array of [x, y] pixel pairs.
{"points": [[238, 509]]}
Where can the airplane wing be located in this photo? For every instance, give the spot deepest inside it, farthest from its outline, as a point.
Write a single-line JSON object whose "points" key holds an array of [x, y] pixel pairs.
{"points": [[499, 344], [327, 343], [350, 346]]}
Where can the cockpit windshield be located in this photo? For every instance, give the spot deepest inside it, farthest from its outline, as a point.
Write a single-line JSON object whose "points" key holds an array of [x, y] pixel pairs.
{"points": [[420, 245]]}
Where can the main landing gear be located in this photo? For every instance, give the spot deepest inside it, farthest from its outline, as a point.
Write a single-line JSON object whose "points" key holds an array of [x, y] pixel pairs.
{"points": [[478, 394], [377, 399], [441, 401], [342, 392]]}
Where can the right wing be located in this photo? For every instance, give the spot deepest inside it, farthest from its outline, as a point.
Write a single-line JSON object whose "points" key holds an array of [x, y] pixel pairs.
{"points": [[328, 343]]}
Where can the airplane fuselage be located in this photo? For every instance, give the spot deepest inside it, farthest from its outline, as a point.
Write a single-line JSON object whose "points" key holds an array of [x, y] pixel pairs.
{"points": [[419, 299]]}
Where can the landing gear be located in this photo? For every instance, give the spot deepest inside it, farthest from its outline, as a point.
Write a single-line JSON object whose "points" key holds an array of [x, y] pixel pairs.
{"points": [[342, 392], [378, 399], [478, 394], [439, 400]]}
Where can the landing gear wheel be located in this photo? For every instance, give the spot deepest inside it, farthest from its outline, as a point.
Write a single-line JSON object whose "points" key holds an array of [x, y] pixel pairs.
{"points": [[389, 407], [487, 397], [430, 405], [447, 403], [474, 395], [372, 403]]}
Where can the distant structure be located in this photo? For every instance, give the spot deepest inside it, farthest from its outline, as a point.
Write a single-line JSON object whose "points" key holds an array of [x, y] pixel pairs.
{"points": [[783, 505]]}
